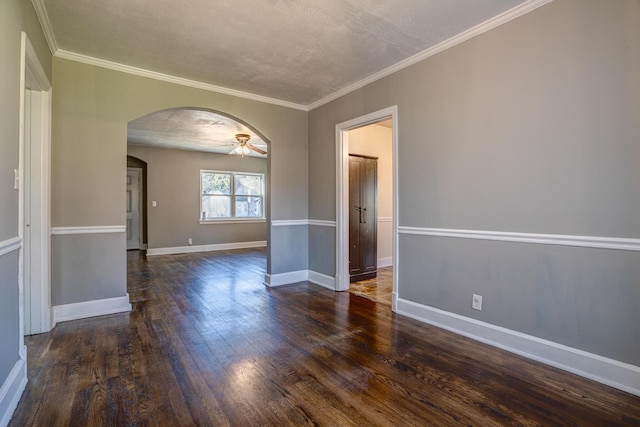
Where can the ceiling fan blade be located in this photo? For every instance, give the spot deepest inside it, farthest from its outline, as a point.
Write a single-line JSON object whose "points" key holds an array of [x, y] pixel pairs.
{"points": [[256, 149]]}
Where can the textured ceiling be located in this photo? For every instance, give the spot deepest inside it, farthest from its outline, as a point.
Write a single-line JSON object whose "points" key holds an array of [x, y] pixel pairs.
{"points": [[190, 129], [298, 51]]}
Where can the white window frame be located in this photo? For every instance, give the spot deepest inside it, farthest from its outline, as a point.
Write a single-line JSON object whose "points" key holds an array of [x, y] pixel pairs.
{"points": [[232, 196]]}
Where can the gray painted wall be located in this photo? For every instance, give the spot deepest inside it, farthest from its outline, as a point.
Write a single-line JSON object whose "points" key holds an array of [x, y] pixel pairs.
{"points": [[15, 16], [581, 297], [289, 248], [10, 330], [86, 267], [173, 181], [530, 127], [92, 107], [322, 256]]}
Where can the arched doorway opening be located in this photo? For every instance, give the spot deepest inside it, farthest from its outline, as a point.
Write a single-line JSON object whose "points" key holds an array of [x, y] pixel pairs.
{"points": [[136, 203], [207, 181]]}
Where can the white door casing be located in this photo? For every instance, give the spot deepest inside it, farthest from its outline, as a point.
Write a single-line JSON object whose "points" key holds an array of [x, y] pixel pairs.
{"points": [[342, 195], [34, 195], [133, 199]]}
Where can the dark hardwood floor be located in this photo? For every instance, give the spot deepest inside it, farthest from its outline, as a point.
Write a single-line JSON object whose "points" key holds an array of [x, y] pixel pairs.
{"points": [[378, 289], [207, 344]]}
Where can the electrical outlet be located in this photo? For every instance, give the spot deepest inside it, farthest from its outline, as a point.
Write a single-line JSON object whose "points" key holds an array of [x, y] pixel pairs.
{"points": [[190, 241], [476, 302]]}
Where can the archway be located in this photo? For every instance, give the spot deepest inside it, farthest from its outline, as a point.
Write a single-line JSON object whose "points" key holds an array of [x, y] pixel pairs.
{"points": [[184, 149]]}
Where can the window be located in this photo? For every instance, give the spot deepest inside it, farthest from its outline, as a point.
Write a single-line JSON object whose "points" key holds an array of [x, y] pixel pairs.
{"points": [[231, 195]]}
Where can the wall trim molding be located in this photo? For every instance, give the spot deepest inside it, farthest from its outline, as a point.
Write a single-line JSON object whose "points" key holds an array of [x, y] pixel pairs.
{"points": [[322, 223], [206, 248], [100, 229], [10, 245], [607, 371], [232, 221], [323, 280], [123, 68], [385, 262], [385, 219], [281, 279], [543, 239], [290, 222], [490, 24], [494, 22], [45, 23], [12, 390], [101, 307]]}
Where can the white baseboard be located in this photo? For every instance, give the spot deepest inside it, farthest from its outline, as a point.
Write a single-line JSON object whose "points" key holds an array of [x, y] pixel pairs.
{"points": [[385, 262], [11, 391], [93, 308], [273, 280], [607, 371], [206, 248], [281, 279], [323, 280]]}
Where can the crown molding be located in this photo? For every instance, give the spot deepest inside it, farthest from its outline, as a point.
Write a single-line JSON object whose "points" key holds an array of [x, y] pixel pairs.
{"points": [[72, 56], [494, 22], [490, 24], [45, 23]]}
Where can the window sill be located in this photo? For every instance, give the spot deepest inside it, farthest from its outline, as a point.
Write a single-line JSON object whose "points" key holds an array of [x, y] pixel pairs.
{"points": [[233, 221]]}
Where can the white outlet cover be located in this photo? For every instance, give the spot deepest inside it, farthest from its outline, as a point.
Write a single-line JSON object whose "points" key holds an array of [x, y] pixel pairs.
{"points": [[476, 302]]}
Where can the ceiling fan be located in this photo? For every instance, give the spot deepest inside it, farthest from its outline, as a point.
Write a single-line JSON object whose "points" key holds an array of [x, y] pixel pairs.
{"points": [[243, 147]]}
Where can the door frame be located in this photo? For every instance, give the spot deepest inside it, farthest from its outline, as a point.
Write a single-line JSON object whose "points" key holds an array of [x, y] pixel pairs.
{"points": [[342, 194], [140, 177], [38, 138]]}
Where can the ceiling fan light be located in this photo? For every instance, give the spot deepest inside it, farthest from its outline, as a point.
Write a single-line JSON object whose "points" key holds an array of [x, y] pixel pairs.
{"points": [[238, 150], [245, 150]]}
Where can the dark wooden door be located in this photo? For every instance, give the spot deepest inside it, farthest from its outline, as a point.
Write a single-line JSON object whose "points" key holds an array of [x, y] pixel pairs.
{"points": [[363, 217]]}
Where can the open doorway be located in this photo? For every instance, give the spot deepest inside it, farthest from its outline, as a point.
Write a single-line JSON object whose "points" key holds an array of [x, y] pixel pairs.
{"points": [[371, 211], [136, 203], [357, 136], [203, 185]]}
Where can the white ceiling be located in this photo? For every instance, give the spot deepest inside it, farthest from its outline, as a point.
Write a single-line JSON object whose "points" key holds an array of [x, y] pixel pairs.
{"points": [[297, 51], [191, 129]]}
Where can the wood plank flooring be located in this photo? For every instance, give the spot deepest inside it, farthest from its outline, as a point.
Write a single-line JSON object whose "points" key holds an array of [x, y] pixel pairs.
{"points": [[207, 344], [378, 289]]}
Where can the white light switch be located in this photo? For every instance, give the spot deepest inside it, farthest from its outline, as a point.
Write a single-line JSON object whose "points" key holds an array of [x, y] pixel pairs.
{"points": [[154, 204], [16, 179]]}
